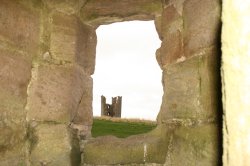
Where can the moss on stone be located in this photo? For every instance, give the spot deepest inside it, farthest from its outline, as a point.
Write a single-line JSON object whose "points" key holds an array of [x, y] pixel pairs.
{"points": [[198, 145], [32, 138], [152, 8], [92, 16], [32, 4], [14, 157], [75, 155], [146, 148]]}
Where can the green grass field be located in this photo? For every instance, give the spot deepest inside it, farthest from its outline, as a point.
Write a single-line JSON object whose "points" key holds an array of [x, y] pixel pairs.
{"points": [[120, 129]]}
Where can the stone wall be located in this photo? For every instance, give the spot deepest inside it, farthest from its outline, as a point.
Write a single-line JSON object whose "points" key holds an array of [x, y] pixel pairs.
{"points": [[47, 57], [190, 59], [189, 119], [19, 38]]}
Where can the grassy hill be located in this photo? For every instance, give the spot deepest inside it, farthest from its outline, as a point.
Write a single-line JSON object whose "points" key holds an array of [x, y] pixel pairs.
{"points": [[120, 127]]}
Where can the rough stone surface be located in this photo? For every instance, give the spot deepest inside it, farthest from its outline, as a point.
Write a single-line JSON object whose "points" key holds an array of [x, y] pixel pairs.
{"points": [[56, 111], [236, 82], [181, 86], [99, 12], [147, 148], [19, 27], [194, 146], [57, 91], [190, 88], [170, 30], [14, 78], [201, 24], [50, 145], [83, 114], [131, 164], [65, 6], [171, 21], [178, 4], [171, 50], [77, 40], [15, 74], [14, 157]]}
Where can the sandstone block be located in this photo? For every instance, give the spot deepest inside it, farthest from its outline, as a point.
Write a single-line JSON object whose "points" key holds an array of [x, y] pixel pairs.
{"points": [[191, 88], [81, 132], [171, 49], [65, 6], [158, 26], [181, 90], [178, 4], [139, 149], [14, 157], [84, 114], [15, 72], [103, 11], [195, 146], [201, 24], [13, 130], [56, 92], [87, 48], [19, 26], [210, 86], [51, 145], [73, 41], [171, 21]]}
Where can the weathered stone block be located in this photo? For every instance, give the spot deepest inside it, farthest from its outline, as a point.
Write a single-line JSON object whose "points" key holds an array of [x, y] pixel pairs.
{"points": [[191, 88], [19, 26], [178, 4], [73, 41], [13, 130], [171, 21], [32, 4], [15, 72], [103, 11], [195, 146], [146, 148], [171, 49], [210, 85], [84, 114], [181, 90], [65, 6], [14, 157], [51, 145], [158, 27], [201, 24], [56, 92]]}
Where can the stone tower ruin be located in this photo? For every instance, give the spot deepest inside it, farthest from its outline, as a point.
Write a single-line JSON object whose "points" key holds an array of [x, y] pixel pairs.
{"points": [[112, 110]]}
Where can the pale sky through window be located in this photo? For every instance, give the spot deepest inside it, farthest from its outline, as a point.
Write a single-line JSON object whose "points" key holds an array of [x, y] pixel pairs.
{"points": [[126, 66]]}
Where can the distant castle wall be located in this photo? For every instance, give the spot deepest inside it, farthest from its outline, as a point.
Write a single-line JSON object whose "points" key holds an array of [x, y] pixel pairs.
{"points": [[112, 110]]}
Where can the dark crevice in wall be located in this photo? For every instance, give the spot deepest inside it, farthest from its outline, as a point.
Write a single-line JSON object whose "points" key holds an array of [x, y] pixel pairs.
{"points": [[75, 155], [219, 100]]}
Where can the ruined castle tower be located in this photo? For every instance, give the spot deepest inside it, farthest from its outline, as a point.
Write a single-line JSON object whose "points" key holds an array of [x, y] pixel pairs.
{"points": [[114, 109]]}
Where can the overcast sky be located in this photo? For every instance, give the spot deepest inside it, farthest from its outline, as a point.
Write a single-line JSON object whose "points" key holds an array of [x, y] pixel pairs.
{"points": [[126, 66]]}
